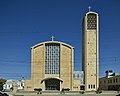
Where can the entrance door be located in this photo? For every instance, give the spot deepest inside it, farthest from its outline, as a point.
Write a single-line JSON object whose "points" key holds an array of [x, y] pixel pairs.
{"points": [[52, 84]]}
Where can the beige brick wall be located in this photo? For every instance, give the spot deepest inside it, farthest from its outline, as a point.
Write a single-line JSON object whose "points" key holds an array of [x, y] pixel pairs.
{"points": [[90, 55], [38, 67], [76, 85], [28, 85], [66, 67], [91, 61]]}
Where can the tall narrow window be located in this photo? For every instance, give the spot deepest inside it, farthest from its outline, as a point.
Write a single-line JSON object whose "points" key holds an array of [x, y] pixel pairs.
{"points": [[94, 86], [52, 60], [89, 86]]}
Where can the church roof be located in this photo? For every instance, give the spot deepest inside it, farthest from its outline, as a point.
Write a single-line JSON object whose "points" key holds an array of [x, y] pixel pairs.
{"points": [[50, 42]]}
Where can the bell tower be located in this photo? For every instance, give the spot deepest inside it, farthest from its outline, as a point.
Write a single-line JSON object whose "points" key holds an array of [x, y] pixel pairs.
{"points": [[90, 50]]}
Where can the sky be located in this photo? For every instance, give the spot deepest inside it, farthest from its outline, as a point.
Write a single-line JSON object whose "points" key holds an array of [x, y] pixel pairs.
{"points": [[25, 23]]}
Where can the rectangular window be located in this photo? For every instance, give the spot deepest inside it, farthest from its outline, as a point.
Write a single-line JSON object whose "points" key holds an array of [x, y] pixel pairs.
{"points": [[89, 86], [91, 21], [113, 80], [52, 58], [116, 80]]}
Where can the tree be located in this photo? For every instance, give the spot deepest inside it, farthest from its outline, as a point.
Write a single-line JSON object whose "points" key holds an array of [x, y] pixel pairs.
{"points": [[118, 89], [2, 82]]}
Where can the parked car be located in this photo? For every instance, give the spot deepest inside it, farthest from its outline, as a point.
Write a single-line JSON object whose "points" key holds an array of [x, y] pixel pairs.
{"points": [[3, 94]]}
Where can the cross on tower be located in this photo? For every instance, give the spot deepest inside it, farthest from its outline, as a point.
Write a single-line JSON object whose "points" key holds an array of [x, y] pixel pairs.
{"points": [[89, 8], [52, 38]]}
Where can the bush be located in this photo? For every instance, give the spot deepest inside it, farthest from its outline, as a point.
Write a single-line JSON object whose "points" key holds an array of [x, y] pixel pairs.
{"points": [[82, 92], [98, 91], [64, 89], [38, 90], [2, 82], [118, 89]]}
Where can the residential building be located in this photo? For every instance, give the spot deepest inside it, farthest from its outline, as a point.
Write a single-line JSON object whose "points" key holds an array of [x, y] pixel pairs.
{"points": [[110, 82], [9, 85]]}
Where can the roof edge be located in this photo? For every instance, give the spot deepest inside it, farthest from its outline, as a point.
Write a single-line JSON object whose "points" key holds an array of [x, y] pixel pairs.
{"points": [[51, 42], [91, 12]]}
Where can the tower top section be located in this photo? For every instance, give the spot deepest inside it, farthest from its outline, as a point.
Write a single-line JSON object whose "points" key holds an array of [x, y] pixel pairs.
{"points": [[89, 11]]}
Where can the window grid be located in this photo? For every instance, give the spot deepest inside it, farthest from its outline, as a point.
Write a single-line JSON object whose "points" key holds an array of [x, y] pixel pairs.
{"points": [[52, 60], [91, 21]]}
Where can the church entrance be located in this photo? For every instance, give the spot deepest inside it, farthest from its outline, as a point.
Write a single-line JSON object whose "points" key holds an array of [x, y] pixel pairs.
{"points": [[52, 84]]}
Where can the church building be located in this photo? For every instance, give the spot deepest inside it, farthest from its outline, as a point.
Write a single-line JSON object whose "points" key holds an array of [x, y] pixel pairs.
{"points": [[52, 67]]}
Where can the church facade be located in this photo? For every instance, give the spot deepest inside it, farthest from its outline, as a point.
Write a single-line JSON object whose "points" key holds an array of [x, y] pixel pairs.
{"points": [[52, 67]]}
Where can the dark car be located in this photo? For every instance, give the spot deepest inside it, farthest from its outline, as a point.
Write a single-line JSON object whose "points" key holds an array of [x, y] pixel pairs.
{"points": [[3, 94]]}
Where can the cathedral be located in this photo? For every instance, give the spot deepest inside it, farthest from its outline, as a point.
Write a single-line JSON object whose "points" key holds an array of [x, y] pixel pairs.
{"points": [[52, 62]]}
